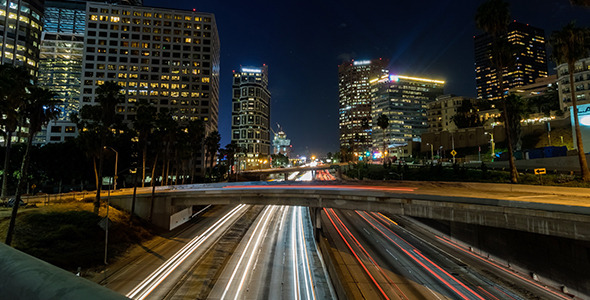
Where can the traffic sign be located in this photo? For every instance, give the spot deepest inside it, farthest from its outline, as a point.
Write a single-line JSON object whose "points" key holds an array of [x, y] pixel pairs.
{"points": [[540, 171], [453, 153]]}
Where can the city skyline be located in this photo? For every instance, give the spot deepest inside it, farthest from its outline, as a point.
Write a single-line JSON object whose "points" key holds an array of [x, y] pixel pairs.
{"points": [[303, 46]]}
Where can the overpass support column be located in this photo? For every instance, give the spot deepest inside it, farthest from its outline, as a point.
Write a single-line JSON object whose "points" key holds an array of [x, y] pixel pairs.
{"points": [[316, 221]]}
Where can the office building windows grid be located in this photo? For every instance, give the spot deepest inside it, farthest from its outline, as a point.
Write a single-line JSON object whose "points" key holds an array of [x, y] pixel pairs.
{"points": [[168, 58]]}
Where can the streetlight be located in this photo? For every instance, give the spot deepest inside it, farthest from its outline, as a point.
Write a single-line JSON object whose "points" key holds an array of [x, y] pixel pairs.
{"points": [[106, 235], [492, 142], [116, 163], [431, 152]]}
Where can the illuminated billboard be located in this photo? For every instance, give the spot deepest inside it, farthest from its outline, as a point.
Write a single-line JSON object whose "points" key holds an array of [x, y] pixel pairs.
{"points": [[584, 119]]}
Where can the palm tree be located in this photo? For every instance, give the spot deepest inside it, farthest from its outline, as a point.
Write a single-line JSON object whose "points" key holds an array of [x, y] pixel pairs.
{"points": [[493, 17], [383, 123], [38, 108], [99, 121], [14, 82], [569, 45], [143, 124], [212, 145], [196, 134], [231, 150]]}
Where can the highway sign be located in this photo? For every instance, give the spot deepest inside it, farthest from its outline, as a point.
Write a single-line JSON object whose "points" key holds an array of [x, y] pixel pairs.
{"points": [[540, 171], [453, 153]]}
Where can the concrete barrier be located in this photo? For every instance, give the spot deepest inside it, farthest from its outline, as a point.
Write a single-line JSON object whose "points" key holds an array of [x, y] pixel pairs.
{"points": [[25, 277]]}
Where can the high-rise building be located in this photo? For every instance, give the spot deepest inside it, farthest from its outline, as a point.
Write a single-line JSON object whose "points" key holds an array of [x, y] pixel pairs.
{"points": [[20, 36], [527, 44], [60, 64], [20, 33], [441, 112], [404, 100], [581, 83], [355, 102], [251, 116], [281, 144], [168, 58]]}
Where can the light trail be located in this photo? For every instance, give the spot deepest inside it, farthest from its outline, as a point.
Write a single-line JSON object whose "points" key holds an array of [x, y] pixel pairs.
{"points": [[294, 258], [142, 290], [256, 237], [415, 258], [499, 267], [402, 295], [302, 245], [323, 187], [356, 256]]}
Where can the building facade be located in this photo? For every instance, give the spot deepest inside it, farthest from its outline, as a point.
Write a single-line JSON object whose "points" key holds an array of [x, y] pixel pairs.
{"points": [[529, 51], [167, 58], [60, 64], [281, 144], [581, 83], [20, 33], [354, 112], [441, 112], [404, 100], [20, 36], [251, 116]]}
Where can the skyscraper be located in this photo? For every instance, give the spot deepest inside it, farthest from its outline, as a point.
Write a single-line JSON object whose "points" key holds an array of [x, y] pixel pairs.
{"points": [[60, 64], [169, 58], [165, 57], [404, 100], [581, 83], [528, 49], [20, 33], [355, 102], [251, 116]]}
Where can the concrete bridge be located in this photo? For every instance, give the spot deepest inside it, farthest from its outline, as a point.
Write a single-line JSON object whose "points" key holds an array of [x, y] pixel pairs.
{"points": [[554, 211]]}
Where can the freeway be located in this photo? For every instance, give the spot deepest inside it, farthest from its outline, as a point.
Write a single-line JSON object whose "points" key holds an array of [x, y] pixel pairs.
{"points": [[155, 273], [380, 260], [277, 259]]}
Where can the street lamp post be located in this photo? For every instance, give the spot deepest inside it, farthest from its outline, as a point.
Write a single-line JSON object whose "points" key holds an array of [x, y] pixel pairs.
{"points": [[492, 142], [116, 164], [113, 180], [431, 152]]}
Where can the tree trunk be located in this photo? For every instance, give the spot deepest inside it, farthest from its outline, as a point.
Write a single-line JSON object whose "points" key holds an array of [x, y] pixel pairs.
{"points": [[513, 171], [579, 143], [143, 159], [134, 196], [6, 163], [154, 169], [17, 197]]}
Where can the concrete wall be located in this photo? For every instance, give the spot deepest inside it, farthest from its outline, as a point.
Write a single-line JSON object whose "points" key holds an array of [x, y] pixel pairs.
{"points": [[569, 263], [560, 164]]}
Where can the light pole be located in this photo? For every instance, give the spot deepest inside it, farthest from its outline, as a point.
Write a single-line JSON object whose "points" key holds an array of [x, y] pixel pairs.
{"points": [[113, 180], [431, 152], [492, 142], [116, 163], [453, 145]]}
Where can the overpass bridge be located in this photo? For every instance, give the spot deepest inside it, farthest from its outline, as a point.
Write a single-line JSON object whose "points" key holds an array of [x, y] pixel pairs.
{"points": [[554, 211]]}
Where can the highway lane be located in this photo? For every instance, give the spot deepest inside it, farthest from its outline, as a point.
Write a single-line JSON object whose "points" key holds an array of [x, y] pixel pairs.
{"points": [[388, 266], [277, 259], [152, 276]]}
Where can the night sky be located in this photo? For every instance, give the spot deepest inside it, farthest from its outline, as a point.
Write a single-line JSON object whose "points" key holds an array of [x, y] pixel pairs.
{"points": [[303, 42]]}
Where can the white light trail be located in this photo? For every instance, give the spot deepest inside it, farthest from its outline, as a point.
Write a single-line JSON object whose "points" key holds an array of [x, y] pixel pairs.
{"points": [[257, 235], [151, 282]]}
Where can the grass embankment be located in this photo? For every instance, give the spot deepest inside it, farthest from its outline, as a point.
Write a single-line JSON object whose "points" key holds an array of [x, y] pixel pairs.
{"points": [[68, 235], [459, 173]]}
